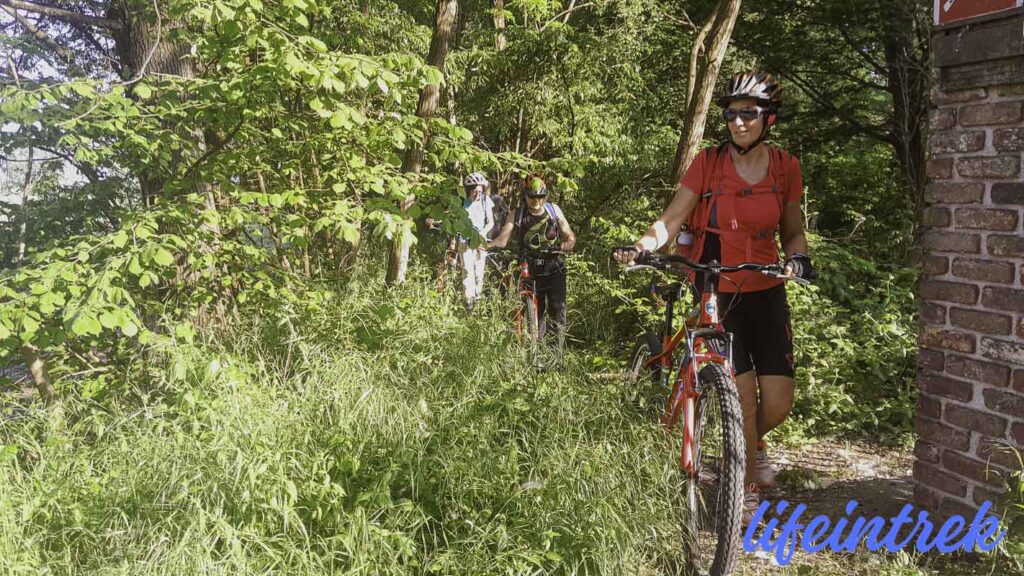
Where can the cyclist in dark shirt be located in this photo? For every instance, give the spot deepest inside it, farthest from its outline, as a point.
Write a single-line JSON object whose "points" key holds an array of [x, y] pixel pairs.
{"points": [[538, 223]]}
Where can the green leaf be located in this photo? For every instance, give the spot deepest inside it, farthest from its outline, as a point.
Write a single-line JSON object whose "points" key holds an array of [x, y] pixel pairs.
{"points": [[340, 119], [143, 91], [134, 267], [163, 257], [128, 327], [301, 19], [433, 75], [86, 324], [110, 319]]}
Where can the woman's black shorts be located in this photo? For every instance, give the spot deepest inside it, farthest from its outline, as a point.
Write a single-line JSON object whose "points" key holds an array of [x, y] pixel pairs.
{"points": [[762, 335]]}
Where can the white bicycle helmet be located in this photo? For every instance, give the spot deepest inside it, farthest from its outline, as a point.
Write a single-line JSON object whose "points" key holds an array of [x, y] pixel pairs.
{"points": [[475, 179]]}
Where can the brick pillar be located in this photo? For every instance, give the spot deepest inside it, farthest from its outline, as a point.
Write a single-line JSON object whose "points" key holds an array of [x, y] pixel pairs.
{"points": [[971, 357]]}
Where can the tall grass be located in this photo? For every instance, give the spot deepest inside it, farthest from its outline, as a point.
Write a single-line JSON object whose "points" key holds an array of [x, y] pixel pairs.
{"points": [[382, 436]]}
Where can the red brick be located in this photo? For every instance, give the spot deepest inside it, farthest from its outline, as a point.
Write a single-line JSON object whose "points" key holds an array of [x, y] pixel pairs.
{"points": [[988, 166], [946, 340], [968, 467], [982, 219], [930, 359], [986, 322], [951, 242], [1011, 90], [942, 435], [1017, 434], [926, 452], [929, 407], [954, 192], [1004, 402], [926, 498], [1007, 193], [1010, 299], [984, 270], [999, 452], [953, 507], [1012, 246], [942, 118], [939, 169], [936, 478], [949, 291], [956, 96], [950, 141], [1018, 380], [1003, 350], [935, 265], [981, 494], [989, 114], [946, 387], [935, 217], [933, 313], [976, 420], [977, 370], [1008, 139]]}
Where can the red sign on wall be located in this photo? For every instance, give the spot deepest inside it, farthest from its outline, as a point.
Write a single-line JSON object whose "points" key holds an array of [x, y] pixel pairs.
{"points": [[947, 11]]}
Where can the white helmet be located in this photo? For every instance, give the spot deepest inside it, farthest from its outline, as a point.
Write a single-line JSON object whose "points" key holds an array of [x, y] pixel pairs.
{"points": [[475, 179]]}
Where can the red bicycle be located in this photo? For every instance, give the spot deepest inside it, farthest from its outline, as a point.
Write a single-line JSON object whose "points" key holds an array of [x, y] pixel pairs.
{"points": [[704, 395], [527, 316]]}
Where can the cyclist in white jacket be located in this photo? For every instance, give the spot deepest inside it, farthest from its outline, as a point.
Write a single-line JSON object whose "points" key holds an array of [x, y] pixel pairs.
{"points": [[480, 210]]}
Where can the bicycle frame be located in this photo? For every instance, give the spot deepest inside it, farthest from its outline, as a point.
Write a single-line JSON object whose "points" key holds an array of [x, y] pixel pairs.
{"points": [[700, 348], [526, 292]]}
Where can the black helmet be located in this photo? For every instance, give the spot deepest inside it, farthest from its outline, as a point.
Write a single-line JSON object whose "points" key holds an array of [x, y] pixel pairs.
{"points": [[760, 86]]}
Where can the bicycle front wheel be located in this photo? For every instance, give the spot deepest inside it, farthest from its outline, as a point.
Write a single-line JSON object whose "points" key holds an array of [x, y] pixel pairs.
{"points": [[532, 320], [713, 493]]}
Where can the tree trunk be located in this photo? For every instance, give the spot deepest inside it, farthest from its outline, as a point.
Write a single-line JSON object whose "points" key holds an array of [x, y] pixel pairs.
{"points": [[25, 189], [444, 30], [498, 15], [909, 84], [711, 46], [37, 368]]}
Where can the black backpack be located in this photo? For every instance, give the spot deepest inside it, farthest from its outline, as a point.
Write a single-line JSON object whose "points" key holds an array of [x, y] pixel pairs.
{"points": [[499, 209]]}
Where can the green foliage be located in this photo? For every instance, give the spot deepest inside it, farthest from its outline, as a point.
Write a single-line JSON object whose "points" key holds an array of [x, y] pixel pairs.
{"points": [[344, 440], [855, 340]]}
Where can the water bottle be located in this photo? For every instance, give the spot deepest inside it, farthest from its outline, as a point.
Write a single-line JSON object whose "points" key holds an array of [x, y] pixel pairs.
{"points": [[685, 237]]}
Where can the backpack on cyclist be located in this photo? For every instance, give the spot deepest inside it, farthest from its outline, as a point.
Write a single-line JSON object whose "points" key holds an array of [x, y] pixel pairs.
{"points": [[552, 228], [700, 217], [499, 209]]}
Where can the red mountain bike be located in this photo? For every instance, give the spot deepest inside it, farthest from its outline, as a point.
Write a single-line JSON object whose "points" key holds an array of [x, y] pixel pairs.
{"points": [[527, 316], [704, 394]]}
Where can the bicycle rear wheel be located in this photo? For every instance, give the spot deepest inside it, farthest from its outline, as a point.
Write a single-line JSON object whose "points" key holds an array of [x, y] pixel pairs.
{"points": [[713, 495]]}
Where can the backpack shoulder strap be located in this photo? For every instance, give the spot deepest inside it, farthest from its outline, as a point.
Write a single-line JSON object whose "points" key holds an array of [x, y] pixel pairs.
{"points": [[552, 212]]}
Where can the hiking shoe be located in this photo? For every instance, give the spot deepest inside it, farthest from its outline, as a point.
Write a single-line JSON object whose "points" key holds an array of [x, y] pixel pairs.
{"points": [[751, 501], [764, 476]]}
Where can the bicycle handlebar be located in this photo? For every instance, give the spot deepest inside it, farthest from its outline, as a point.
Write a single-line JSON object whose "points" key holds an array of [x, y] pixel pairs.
{"points": [[530, 253], [668, 261]]}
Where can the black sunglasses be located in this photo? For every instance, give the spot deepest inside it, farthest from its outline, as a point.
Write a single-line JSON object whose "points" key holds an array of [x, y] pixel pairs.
{"points": [[747, 114], [537, 196]]}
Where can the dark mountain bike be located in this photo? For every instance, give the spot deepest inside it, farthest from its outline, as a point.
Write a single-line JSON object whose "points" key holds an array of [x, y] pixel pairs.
{"points": [[704, 395]]}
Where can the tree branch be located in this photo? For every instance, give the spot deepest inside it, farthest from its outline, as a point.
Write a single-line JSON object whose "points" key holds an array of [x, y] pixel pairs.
{"points": [[38, 34], [64, 15], [843, 116]]}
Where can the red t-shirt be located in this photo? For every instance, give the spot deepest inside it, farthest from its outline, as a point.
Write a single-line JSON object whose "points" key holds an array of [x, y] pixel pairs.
{"points": [[748, 215]]}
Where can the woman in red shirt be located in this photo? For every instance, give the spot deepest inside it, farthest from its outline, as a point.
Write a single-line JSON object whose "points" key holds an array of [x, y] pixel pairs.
{"points": [[735, 198]]}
